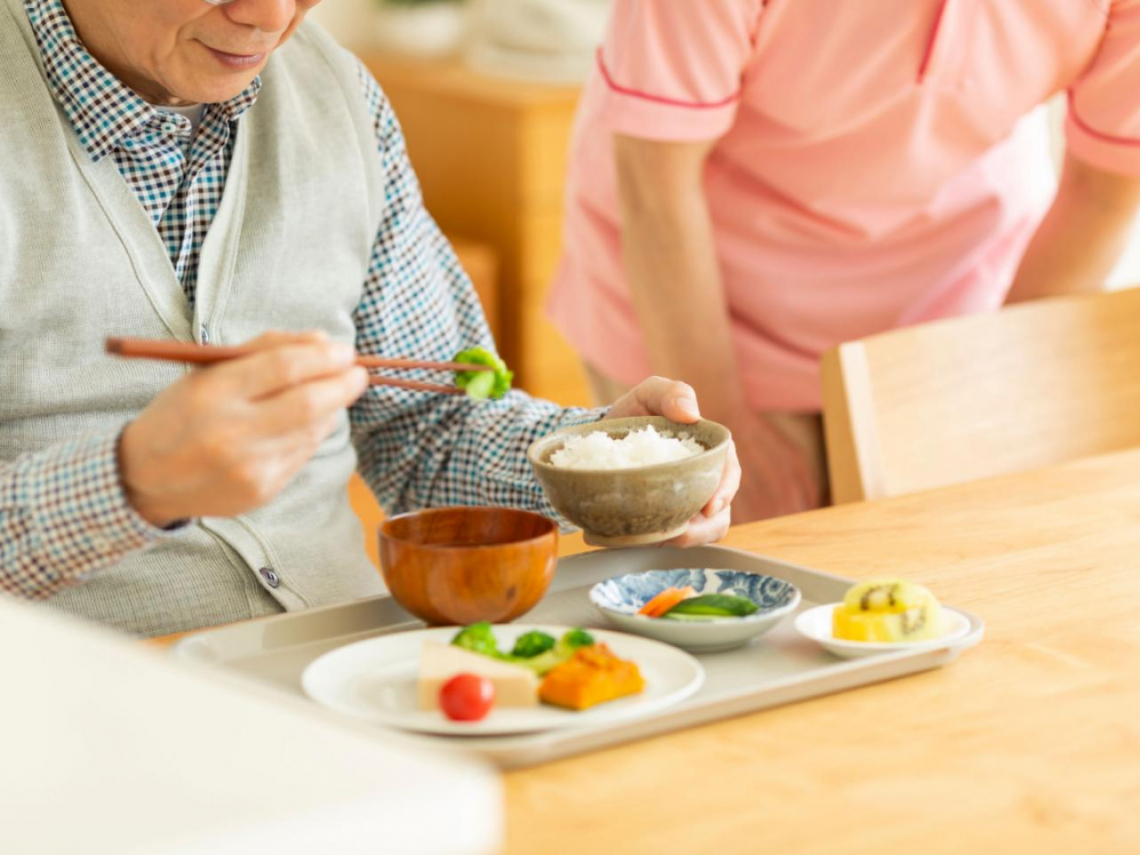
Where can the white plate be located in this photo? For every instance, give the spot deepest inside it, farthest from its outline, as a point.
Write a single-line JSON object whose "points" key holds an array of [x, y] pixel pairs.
{"points": [[816, 625], [376, 679]]}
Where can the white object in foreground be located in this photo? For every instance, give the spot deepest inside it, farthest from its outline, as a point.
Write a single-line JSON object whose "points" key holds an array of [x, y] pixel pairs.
{"points": [[376, 679], [109, 747], [816, 625]]}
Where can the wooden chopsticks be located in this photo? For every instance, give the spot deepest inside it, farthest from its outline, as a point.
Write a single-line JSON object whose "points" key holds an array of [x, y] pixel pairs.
{"points": [[206, 354]]}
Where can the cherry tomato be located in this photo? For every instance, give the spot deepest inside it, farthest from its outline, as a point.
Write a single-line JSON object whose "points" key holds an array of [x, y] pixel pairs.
{"points": [[467, 697]]}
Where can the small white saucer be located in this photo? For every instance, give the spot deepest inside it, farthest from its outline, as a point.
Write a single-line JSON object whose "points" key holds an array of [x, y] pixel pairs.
{"points": [[816, 625]]}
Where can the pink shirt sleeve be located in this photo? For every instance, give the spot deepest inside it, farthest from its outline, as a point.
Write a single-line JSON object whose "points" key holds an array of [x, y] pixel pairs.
{"points": [[1103, 124], [671, 69]]}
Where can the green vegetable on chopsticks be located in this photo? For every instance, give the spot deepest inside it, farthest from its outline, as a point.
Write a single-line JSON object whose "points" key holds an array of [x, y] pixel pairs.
{"points": [[481, 385]]}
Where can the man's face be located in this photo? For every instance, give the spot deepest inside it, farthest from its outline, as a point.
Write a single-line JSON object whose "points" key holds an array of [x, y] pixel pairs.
{"points": [[185, 51]]}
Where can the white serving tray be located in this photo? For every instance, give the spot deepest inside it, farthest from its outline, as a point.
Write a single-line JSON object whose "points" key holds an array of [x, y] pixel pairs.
{"points": [[778, 668]]}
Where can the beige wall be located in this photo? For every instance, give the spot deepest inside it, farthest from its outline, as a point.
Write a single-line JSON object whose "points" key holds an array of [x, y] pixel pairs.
{"points": [[349, 20]]}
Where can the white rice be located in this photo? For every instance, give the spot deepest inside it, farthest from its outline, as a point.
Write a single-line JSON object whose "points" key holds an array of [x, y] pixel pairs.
{"points": [[644, 447]]}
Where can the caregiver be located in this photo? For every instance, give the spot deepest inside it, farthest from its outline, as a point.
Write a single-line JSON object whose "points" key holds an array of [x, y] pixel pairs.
{"points": [[755, 181]]}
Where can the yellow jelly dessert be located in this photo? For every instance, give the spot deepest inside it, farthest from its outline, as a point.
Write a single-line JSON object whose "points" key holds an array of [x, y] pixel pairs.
{"points": [[887, 610]]}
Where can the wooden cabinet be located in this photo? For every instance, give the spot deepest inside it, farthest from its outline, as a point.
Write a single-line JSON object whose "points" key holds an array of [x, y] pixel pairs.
{"points": [[491, 157]]}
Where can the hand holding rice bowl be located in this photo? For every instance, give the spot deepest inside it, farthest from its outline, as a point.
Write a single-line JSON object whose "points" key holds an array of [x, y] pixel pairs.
{"points": [[638, 502]]}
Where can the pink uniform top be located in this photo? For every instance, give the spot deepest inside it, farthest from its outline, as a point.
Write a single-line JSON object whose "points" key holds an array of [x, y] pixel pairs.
{"points": [[877, 163]]}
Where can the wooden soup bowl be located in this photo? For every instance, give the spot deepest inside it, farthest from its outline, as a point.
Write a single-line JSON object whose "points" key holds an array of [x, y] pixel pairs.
{"points": [[464, 565]]}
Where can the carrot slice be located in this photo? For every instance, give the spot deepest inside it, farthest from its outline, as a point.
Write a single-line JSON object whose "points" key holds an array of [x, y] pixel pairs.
{"points": [[664, 601]]}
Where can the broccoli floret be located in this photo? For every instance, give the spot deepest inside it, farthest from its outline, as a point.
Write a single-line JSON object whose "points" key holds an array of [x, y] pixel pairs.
{"points": [[478, 638], [481, 385], [562, 650], [531, 644], [535, 650], [575, 638]]}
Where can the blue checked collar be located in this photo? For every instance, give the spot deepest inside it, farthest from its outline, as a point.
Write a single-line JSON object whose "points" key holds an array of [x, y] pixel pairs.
{"points": [[101, 108]]}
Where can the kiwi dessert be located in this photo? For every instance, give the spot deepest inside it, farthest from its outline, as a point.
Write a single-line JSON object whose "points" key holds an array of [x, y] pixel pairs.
{"points": [[887, 610]]}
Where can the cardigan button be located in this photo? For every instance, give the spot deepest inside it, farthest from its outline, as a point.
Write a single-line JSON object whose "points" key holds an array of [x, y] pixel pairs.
{"points": [[270, 576]]}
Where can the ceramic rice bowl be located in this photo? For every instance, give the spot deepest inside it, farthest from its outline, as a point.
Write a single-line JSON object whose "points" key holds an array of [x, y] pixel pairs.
{"points": [[639, 505]]}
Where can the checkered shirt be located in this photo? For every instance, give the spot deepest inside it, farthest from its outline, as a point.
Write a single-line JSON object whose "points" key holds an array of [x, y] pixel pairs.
{"points": [[63, 512]]}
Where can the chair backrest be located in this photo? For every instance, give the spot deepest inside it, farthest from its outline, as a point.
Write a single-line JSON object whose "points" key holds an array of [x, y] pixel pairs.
{"points": [[971, 397]]}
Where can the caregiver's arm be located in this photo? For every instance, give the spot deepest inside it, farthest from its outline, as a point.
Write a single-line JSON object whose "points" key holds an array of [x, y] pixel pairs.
{"points": [[672, 269], [673, 272], [1082, 235]]}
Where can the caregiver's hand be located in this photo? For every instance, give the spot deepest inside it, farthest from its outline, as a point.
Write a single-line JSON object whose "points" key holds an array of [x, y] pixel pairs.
{"points": [[226, 439], [677, 402]]}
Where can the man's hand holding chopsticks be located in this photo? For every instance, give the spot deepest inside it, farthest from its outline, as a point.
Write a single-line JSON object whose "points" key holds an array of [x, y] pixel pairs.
{"points": [[226, 439]]}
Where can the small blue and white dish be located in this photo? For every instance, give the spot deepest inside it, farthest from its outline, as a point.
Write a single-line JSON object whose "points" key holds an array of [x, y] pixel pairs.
{"points": [[619, 599]]}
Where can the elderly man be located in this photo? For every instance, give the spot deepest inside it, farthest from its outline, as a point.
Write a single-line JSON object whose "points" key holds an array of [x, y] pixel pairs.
{"points": [[162, 175]]}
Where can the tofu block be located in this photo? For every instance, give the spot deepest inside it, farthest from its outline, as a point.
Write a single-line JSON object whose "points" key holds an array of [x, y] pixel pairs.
{"points": [[439, 662]]}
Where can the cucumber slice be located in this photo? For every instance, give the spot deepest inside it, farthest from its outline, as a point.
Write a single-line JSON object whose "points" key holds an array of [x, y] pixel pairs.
{"points": [[714, 605]]}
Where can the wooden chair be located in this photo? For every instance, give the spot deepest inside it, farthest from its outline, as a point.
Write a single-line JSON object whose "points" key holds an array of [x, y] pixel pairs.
{"points": [[978, 396]]}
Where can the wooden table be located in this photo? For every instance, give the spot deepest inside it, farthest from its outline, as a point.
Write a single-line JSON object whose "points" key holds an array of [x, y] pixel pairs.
{"points": [[1029, 743]]}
